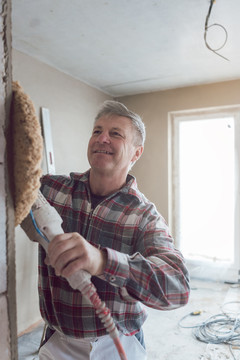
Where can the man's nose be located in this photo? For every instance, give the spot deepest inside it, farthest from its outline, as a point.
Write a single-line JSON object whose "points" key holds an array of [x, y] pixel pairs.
{"points": [[104, 138]]}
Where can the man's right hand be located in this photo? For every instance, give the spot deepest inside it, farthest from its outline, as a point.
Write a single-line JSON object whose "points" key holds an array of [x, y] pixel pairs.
{"points": [[70, 252]]}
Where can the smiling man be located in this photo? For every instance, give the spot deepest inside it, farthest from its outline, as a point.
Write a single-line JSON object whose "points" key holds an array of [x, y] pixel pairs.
{"points": [[112, 149], [116, 234]]}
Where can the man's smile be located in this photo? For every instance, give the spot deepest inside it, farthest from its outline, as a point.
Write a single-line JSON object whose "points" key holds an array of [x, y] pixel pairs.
{"points": [[102, 152]]}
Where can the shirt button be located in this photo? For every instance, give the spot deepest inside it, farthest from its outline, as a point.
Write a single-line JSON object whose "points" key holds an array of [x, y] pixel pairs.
{"points": [[112, 278]]}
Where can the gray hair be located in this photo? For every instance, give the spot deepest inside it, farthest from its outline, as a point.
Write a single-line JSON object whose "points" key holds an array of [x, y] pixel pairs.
{"points": [[111, 107]]}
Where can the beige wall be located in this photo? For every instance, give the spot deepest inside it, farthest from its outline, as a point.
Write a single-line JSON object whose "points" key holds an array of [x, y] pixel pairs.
{"points": [[152, 169], [72, 106]]}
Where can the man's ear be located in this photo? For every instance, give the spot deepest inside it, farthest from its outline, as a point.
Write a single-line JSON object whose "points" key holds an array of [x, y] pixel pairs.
{"points": [[138, 153]]}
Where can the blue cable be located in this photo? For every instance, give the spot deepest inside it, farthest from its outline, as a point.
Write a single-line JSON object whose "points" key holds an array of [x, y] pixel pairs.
{"points": [[37, 228]]}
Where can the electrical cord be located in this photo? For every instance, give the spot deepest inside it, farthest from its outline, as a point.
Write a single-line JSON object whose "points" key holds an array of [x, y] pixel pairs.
{"points": [[206, 29], [37, 228], [217, 329], [227, 303]]}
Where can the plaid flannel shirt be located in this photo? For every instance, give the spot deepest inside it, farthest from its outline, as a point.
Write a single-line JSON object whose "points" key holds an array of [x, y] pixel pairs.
{"points": [[143, 267]]}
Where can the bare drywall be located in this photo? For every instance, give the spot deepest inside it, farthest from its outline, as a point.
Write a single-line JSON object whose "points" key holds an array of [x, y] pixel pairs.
{"points": [[73, 106]]}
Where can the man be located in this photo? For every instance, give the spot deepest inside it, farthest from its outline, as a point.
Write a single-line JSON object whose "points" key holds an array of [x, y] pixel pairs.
{"points": [[113, 232]]}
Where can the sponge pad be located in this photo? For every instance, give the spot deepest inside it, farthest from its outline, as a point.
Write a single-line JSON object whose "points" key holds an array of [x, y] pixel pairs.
{"points": [[27, 152]]}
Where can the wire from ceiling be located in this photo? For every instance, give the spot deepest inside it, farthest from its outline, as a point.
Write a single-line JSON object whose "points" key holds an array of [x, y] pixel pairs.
{"points": [[209, 26]]}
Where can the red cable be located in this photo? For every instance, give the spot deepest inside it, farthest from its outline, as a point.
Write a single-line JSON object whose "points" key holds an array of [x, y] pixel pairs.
{"points": [[105, 315]]}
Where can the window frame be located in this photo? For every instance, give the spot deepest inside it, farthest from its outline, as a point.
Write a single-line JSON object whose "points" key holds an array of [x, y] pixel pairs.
{"points": [[203, 269]]}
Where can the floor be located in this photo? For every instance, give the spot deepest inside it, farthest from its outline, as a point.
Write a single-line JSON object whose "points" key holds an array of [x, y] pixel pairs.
{"points": [[164, 338]]}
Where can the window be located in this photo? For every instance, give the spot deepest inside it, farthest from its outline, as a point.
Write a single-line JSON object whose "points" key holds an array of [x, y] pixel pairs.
{"points": [[204, 191]]}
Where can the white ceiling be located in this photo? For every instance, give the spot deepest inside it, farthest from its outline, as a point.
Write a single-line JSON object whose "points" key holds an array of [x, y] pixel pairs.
{"points": [[127, 47]]}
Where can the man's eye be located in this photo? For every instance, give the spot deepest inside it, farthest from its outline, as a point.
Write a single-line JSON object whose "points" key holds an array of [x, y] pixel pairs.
{"points": [[115, 133], [96, 132]]}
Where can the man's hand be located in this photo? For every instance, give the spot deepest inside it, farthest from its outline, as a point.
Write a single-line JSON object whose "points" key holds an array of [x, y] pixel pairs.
{"points": [[70, 252]]}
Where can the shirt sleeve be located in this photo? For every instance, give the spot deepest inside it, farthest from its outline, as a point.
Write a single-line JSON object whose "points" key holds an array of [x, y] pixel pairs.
{"points": [[155, 274]]}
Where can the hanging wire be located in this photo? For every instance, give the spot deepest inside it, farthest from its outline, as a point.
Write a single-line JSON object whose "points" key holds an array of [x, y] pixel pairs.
{"points": [[209, 26]]}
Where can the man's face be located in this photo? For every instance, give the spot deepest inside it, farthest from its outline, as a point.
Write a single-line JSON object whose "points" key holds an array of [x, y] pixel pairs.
{"points": [[111, 147]]}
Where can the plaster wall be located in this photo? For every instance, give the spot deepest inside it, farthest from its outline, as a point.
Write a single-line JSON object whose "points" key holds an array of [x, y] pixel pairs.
{"points": [[73, 106], [151, 170]]}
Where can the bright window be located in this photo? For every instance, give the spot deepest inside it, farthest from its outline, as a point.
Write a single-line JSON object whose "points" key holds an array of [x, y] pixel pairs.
{"points": [[205, 190]]}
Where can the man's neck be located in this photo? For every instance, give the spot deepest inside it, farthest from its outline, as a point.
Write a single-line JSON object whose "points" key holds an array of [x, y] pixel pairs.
{"points": [[105, 184]]}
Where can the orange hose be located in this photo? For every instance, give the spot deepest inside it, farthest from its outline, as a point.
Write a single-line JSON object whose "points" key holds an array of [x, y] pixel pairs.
{"points": [[105, 315], [120, 349]]}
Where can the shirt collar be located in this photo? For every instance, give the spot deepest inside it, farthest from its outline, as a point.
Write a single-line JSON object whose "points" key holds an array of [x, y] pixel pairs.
{"points": [[130, 187]]}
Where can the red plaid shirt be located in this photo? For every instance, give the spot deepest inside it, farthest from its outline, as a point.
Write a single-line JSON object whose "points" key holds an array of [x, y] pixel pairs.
{"points": [[143, 267]]}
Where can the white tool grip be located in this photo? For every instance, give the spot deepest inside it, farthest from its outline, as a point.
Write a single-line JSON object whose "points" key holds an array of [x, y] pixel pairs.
{"points": [[47, 219], [49, 223]]}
